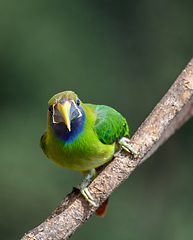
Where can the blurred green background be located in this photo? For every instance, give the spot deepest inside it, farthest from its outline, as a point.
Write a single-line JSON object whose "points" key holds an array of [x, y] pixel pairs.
{"points": [[125, 54]]}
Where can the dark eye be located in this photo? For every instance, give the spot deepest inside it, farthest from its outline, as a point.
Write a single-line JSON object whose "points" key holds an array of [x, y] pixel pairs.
{"points": [[77, 101], [50, 108]]}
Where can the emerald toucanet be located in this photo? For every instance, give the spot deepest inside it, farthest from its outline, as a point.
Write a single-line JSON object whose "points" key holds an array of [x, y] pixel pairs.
{"points": [[82, 136]]}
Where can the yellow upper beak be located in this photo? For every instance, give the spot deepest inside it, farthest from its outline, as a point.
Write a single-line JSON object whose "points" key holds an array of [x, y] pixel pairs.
{"points": [[65, 112]]}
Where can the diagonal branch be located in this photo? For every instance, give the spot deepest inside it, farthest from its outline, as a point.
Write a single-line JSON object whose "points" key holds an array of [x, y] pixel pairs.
{"points": [[174, 109]]}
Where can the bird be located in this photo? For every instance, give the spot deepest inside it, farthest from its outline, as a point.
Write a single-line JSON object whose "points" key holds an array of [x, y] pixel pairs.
{"points": [[82, 136]]}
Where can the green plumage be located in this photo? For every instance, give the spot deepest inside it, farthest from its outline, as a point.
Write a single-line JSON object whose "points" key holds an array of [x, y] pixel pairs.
{"points": [[94, 145], [83, 137], [110, 126]]}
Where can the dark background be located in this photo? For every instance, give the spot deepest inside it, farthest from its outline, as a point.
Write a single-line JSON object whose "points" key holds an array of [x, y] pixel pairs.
{"points": [[125, 54]]}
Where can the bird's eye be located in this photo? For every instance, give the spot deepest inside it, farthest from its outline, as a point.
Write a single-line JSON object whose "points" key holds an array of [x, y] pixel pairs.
{"points": [[50, 108], [77, 101]]}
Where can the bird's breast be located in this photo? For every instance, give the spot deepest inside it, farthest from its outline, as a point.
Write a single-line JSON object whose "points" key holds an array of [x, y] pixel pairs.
{"points": [[84, 153]]}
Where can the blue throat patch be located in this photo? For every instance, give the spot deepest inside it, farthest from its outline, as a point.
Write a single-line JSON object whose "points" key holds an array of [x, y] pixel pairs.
{"points": [[61, 131]]}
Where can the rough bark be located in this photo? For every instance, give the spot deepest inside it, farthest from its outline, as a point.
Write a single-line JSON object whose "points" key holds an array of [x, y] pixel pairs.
{"points": [[174, 109]]}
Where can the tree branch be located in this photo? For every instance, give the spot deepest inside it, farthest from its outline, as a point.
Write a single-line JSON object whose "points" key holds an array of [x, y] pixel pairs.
{"points": [[174, 109]]}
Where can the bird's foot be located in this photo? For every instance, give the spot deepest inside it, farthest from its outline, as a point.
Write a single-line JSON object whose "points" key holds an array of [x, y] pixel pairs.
{"points": [[88, 196], [124, 143], [89, 176]]}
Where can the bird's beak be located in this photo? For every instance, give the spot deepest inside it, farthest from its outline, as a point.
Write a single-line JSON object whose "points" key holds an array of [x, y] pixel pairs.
{"points": [[64, 109]]}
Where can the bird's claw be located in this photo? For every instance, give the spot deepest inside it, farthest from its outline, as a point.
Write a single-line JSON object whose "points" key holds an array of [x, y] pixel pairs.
{"points": [[124, 143], [89, 176], [88, 196]]}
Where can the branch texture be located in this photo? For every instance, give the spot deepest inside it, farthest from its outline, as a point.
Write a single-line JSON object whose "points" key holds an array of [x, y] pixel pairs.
{"points": [[174, 109]]}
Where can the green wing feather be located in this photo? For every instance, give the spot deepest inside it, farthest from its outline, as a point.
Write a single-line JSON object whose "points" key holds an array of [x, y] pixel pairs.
{"points": [[110, 125]]}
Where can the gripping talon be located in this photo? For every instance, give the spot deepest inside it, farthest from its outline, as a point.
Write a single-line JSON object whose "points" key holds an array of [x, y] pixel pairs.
{"points": [[123, 143], [88, 177], [88, 196]]}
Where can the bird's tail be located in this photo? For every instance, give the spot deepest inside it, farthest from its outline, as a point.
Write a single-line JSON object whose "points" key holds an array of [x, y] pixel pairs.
{"points": [[101, 211]]}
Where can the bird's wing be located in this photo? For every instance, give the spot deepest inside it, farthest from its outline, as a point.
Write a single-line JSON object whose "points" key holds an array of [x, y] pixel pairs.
{"points": [[43, 143], [110, 126]]}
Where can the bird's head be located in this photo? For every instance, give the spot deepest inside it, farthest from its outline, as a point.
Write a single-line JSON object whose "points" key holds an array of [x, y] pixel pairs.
{"points": [[64, 109]]}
